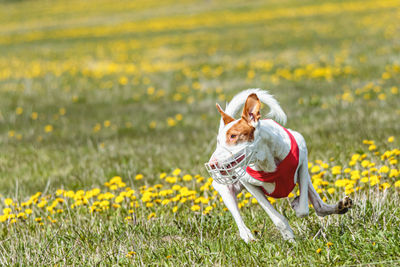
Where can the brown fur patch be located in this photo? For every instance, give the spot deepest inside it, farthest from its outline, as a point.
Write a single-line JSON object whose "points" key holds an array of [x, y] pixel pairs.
{"points": [[225, 117], [240, 132], [251, 110]]}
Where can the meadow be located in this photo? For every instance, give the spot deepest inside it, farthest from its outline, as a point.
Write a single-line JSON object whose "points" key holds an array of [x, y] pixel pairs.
{"points": [[107, 115]]}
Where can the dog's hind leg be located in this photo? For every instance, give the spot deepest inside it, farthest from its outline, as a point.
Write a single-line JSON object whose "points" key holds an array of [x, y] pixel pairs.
{"points": [[323, 209], [300, 203], [228, 194], [279, 220]]}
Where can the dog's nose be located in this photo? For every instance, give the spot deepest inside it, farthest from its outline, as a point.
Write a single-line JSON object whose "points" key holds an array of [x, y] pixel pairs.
{"points": [[213, 162]]}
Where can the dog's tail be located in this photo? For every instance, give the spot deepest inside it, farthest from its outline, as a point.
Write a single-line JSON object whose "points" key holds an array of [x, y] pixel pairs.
{"points": [[276, 113]]}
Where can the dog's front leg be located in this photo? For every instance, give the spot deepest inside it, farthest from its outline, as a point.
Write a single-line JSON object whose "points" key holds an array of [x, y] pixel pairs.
{"points": [[228, 194], [279, 220]]}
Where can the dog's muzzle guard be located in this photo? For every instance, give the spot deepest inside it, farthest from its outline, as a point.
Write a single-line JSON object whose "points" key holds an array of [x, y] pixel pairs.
{"points": [[231, 169]]}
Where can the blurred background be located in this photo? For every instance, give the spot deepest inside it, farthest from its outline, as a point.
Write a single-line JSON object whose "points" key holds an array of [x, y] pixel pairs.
{"points": [[92, 89]]}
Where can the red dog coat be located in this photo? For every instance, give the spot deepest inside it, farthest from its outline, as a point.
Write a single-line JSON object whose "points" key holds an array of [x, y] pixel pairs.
{"points": [[283, 177]]}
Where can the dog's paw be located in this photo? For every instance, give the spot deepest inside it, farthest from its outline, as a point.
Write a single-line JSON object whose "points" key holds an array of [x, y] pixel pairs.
{"points": [[344, 205], [296, 207], [286, 231], [246, 235]]}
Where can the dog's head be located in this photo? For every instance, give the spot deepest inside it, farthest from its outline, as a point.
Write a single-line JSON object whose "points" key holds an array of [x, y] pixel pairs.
{"points": [[234, 135]]}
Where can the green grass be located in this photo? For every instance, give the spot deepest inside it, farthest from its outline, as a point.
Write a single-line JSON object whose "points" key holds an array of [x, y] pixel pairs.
{"points": [[333, 66]]}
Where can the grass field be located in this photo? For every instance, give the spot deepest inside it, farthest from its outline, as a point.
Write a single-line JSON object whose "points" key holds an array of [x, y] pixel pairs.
{"points": [[107, 114]]}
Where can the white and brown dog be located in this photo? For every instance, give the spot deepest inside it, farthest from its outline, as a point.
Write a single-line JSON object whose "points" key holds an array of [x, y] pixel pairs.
{"points": [[266, 159]]}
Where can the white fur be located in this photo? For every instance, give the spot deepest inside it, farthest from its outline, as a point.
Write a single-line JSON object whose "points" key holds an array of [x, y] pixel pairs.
{"points": [[276, 113], [273, 147]]}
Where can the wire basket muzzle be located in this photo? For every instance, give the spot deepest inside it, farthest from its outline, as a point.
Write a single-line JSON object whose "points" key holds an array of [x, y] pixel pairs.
{"points": [[230, 170]]}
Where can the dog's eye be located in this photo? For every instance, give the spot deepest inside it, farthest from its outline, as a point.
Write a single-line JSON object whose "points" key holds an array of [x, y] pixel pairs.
{"points": [[233, 136]]}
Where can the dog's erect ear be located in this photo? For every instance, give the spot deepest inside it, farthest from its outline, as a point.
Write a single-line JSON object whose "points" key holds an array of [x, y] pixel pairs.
{"points": [[225, 117], [251, 110]]}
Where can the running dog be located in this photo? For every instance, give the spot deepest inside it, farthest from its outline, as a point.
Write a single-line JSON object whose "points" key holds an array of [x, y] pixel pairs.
{"points": [[266, 159]]}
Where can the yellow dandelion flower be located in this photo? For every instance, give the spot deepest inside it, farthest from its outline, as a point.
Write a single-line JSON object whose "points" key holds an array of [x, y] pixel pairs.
{"points": [[397, 183], [336, 170], [48, 128], [176, 187], [171, 180], [115, 180], [341, 182], [315, 169], [119, 199], [324, 165], [271, 200], [175, 209], [178, 117], [176, 172], [374, 180], [19, 110], [28, 211], [186, 177], [318, 250], [150, 90], [384, 169], [329, 244], [42, 204], [200, 179], [104, 203], [195, 208], [97, 127], [390, 139], [152, 124], [130, 254], [8, 201], [394, 173], [385, 186], [331, 190], [151, 215], [171, 122], [208, 208], [139, 177], [7, 211], [365, 163], [34, 115]]}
